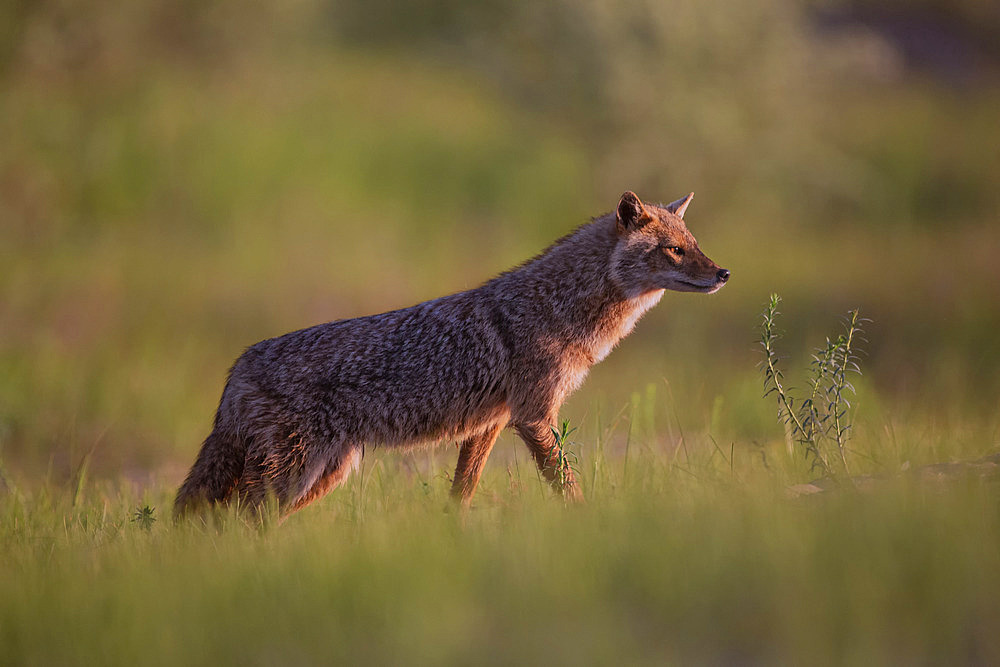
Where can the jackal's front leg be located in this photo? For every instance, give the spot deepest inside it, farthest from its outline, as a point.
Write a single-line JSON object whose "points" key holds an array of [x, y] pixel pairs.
{"points": [[550, 458], [471, 458]]}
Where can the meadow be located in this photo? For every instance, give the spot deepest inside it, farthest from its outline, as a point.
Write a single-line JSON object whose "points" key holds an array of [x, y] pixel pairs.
{"points": [[180, 181]]}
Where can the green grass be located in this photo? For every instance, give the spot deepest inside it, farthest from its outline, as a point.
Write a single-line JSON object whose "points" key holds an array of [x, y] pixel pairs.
{"points": [[691, 554]]}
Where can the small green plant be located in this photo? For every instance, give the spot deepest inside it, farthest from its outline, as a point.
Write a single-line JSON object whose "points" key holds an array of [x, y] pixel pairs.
{"points": [[821, 422], [566, 459], [144, 516]]}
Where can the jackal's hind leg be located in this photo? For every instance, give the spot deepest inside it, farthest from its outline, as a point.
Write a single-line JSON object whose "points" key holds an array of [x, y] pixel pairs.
{"points": [[472, 457], [335, 471], [273, 472]]}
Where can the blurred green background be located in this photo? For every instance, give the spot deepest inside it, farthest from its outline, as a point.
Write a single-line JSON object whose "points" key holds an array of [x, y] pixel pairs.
{"points": [[179, 180]]}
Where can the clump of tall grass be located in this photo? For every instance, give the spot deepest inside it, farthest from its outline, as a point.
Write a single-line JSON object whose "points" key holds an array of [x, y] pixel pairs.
{"points": [[819, 422], [566, 459]]}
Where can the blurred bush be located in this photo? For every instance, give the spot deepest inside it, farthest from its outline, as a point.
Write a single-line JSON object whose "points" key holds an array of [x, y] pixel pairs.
{"points": [[181, 179], [740, 99]]}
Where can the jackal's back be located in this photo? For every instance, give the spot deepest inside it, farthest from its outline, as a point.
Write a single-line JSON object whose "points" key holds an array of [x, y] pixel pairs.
{"points": [[433, 370]]}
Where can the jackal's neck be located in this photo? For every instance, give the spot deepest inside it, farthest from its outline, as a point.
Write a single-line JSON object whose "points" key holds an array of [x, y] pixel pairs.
{"points": [[568, 291]]}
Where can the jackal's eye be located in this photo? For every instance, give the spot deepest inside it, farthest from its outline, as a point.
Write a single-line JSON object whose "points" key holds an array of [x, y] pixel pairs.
{"points": [[675, 250]]}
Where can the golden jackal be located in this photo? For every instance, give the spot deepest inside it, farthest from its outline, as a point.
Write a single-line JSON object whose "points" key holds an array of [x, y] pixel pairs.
{"points": [[298, 409]]}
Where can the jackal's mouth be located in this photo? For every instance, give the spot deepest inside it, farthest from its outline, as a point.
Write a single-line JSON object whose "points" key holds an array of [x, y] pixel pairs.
{"points": [[715, 286]]}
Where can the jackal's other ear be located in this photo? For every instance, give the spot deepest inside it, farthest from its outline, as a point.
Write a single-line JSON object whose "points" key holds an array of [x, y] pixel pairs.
{"points": [[678, 207], [631, 213]]}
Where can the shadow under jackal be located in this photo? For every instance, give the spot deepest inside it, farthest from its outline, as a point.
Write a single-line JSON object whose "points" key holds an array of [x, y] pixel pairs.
{"points": [[297, 409]]}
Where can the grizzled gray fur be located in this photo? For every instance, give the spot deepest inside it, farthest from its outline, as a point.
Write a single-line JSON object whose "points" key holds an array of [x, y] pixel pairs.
{"points": [[298, 409]]}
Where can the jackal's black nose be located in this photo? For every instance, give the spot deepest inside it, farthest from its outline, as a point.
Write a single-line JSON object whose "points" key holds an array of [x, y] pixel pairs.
{"points": [[722, 275]]}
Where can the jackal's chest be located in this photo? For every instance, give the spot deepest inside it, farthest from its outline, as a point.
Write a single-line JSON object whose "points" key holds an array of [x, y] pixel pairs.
{"points": [[598, 345], [620, 324]]}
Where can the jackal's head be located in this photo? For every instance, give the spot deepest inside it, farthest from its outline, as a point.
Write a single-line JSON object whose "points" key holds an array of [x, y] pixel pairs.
{"points": [[656, 251]]}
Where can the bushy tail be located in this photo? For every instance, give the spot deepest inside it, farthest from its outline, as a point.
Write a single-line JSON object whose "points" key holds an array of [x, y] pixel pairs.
{"points": [[214, 474]]}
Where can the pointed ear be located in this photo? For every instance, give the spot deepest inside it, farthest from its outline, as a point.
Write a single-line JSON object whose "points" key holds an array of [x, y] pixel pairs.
{"points": [[631, 213], [678, 207]]}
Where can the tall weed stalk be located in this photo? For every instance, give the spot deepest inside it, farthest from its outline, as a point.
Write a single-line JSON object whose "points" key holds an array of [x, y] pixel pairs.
{"points": [[820, 422]]}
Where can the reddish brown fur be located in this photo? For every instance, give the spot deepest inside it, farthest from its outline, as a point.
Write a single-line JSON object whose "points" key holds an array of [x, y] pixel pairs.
{"points": [[298, 409]]}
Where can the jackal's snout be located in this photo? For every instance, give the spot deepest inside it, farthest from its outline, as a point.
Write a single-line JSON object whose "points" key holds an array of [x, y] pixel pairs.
{"points": [[717, 277], [718, 280]]}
